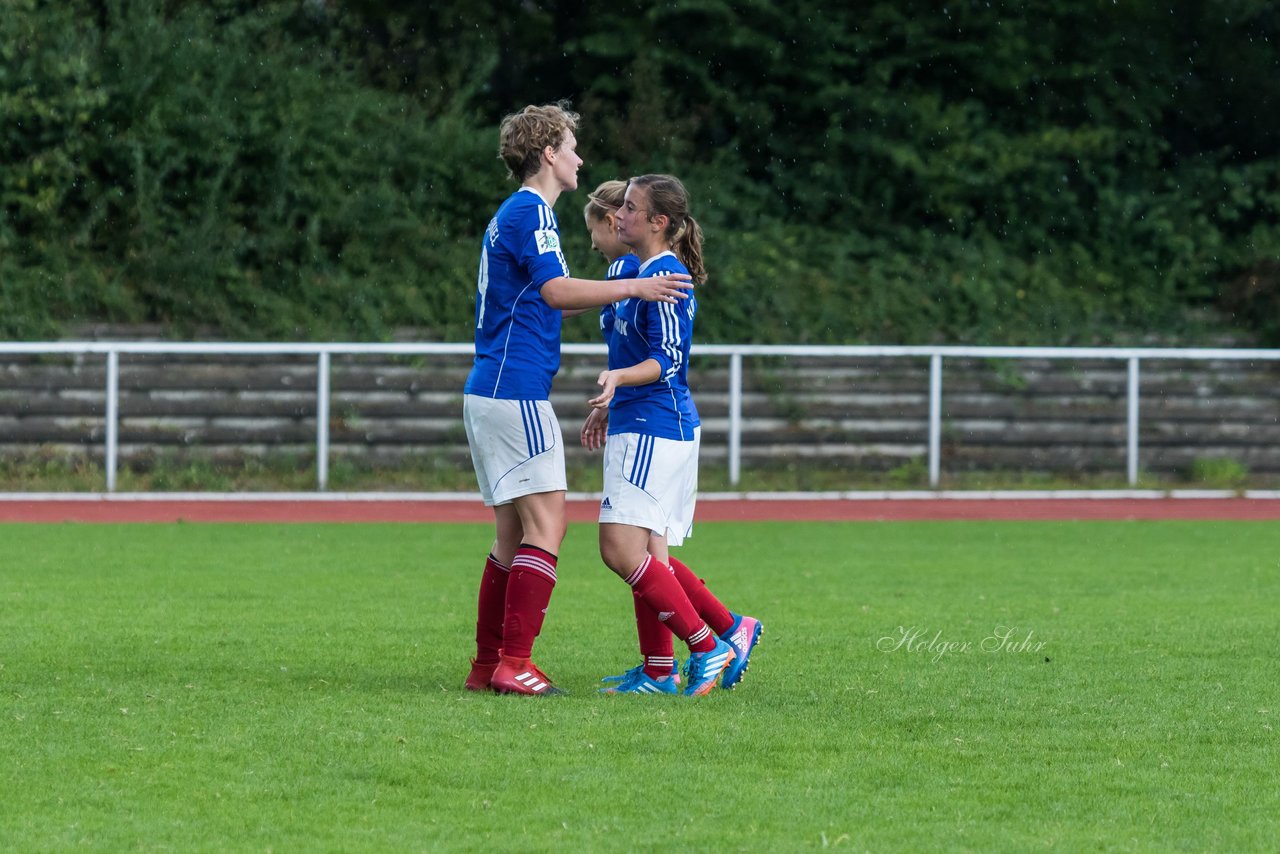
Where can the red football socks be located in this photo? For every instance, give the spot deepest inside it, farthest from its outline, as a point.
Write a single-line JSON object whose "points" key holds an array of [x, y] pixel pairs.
{"points": [[655, 640], [709, 607], [533, 576], [653, 582], [492, 611]]}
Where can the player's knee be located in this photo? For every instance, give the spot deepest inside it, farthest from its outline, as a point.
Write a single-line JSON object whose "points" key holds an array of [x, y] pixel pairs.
{"points": [[547, 533], [619, 557]]}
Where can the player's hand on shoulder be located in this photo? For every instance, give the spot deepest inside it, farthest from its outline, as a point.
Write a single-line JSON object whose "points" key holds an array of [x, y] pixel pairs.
{"points": [[668, 287]]}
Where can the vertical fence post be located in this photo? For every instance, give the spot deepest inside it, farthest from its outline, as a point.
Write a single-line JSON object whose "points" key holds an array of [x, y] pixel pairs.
{"points": [[735, 418], [112, 418], [1133, 421], [935, 419], [322, 421]]}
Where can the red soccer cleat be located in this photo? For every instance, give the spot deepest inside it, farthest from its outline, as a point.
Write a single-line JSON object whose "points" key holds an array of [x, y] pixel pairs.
{"points": [[521, 676], [480, 677]]}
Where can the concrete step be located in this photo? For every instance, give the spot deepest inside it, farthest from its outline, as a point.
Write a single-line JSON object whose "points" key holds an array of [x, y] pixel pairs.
{"points": [[1030, 414]]}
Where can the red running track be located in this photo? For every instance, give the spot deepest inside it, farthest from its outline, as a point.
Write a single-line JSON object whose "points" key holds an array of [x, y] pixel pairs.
{"points": [[752, 510]]}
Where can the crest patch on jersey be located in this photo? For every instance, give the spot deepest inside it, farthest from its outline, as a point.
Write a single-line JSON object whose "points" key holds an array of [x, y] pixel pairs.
{"points": [[548, 240]]}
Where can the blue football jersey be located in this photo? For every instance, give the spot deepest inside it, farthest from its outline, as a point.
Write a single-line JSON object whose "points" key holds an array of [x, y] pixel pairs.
{"points": [[623, 267], [663, 332], [517, 333]]}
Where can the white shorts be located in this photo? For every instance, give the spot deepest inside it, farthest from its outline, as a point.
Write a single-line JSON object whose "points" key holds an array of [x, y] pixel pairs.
{"points": [[516, 447], [651, 483]]}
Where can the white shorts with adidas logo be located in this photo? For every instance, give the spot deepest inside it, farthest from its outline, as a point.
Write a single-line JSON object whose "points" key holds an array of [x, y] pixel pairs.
{"points": [[651, 483], [516, 447]]}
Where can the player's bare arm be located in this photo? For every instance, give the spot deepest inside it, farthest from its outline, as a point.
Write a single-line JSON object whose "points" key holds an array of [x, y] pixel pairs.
{"points": [[609, 381], [566, 293]]}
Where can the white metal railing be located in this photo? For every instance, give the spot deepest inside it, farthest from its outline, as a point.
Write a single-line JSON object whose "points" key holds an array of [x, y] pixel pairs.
{"points": [[735, 353]]}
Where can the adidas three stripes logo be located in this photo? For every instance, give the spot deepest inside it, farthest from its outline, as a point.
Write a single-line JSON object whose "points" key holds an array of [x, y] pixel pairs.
{"points": [[531, 681]]}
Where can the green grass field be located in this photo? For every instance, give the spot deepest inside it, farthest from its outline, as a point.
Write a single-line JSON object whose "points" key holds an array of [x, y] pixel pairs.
{"points": [[297, 688]]}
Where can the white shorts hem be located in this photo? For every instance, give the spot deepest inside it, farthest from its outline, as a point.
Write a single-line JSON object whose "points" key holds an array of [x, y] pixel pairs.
{"points": [[509, 496], [633, 521], [673, 539]]}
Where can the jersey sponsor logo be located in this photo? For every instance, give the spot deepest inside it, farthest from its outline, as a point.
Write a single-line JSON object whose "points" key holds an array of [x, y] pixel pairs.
{"points": [[548, 240], [619, 326]]}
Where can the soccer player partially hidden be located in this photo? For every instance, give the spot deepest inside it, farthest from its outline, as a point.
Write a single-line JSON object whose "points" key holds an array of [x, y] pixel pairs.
{"points": [[646, 421]]}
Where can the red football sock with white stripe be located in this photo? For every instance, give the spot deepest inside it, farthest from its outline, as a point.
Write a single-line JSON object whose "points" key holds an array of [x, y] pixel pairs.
{"points": [[533, 576], [709, 607], [653, 582], [492, 611], [655, 640]]}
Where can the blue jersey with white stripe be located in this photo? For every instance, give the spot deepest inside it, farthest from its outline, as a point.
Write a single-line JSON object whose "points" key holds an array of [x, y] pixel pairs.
{"points": [[624, 267], [663, 332], [517, 333]]}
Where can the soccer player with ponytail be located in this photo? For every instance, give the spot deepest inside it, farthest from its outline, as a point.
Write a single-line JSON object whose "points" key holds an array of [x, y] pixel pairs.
{"points": [[648, 425]]}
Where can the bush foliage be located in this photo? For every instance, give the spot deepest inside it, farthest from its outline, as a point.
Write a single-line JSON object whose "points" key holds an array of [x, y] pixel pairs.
{"points": [[1050, 172]]}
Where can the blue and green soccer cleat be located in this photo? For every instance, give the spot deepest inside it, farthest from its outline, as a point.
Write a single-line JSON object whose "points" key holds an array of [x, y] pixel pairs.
{"points": [[704, 668]]}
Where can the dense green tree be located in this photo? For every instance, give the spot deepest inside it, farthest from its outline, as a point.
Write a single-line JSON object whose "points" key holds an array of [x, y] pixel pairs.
{"points": [[1041, 171]]}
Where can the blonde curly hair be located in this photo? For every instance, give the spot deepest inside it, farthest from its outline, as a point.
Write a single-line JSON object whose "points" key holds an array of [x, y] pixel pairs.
{"points": [[524, 135]]}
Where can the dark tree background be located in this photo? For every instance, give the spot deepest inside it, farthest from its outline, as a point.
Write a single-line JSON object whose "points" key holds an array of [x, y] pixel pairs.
{"points": [[1041, 171]]}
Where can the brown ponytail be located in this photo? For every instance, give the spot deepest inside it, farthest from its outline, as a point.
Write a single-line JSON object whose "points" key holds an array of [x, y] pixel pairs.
{"points": [[688, 248]]}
